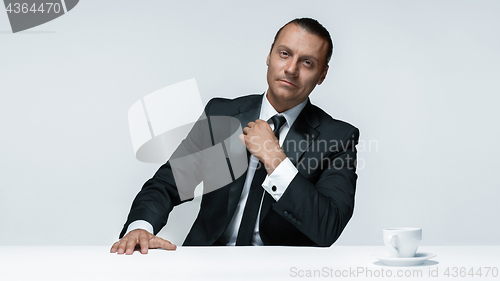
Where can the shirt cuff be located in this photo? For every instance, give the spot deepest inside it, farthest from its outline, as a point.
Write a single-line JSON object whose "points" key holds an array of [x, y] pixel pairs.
{"points": [[277, 183], [140, 224]]}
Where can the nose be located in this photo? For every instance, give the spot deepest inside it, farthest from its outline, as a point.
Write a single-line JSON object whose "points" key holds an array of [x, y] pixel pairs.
{"points": [[291, 68]]}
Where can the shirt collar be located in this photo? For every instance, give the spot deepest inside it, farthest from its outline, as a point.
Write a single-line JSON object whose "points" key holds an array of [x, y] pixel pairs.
{"points": [[267, 111]]}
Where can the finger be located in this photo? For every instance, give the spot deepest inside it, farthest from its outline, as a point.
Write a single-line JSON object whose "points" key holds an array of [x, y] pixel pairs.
{"points": [[157, 242], [143, 241], [242, 138], [114, 248], [122, 246], [130, 246], [265, 124], [251, 124], [245, 130]]}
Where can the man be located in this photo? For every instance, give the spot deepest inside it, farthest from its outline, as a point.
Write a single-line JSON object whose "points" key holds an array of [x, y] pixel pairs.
{"points": [[305, 193]]}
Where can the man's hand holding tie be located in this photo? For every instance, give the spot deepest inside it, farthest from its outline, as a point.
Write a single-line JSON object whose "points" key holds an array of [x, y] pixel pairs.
{"points": [[262, 142]]}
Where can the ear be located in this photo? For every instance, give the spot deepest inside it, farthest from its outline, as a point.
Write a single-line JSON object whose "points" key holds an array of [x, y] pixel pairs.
{"points": [[323, 75], [267, 60]]}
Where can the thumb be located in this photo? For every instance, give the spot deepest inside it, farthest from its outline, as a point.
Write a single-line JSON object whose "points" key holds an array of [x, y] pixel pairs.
{"points": [[158, 242]]}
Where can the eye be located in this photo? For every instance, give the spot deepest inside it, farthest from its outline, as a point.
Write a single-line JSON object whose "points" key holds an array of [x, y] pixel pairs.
{"points": [[284, 53], [308, 63]]}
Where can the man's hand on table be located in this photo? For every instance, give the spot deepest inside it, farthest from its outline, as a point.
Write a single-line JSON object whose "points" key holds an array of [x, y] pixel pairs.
{"points": [[142, 238]]}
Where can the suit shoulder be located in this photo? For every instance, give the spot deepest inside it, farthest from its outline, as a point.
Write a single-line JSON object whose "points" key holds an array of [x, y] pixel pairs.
{"points": [[225, 106], [329, 123]]}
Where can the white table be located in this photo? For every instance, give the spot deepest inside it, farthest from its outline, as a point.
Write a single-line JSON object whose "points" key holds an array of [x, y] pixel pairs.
{"points": [[239, 263]]}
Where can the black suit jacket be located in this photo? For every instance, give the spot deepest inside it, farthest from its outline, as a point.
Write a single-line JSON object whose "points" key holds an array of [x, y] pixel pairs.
{"points": [[313, 210]]}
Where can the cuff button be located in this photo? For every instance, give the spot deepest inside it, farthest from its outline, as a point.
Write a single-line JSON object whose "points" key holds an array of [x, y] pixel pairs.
{"points": [[274, 188]]}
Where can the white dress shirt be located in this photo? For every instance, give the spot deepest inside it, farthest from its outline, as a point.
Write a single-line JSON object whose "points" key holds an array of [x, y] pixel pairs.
{"points": [[280, 178]]}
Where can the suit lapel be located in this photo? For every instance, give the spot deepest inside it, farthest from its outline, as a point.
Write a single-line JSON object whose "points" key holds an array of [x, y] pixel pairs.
{"points": [[247, 112], [299, 138], [301, 134]]}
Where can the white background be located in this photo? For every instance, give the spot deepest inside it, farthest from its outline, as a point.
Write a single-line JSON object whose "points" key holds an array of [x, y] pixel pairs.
{"points": [[420, 79]]}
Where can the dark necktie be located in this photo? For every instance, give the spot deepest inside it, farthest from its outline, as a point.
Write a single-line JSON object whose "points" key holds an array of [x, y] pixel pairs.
{"points": [[248, 221]]}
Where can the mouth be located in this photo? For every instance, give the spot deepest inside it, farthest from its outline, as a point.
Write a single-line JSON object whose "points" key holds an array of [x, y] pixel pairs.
{"points": [[288, 83]]}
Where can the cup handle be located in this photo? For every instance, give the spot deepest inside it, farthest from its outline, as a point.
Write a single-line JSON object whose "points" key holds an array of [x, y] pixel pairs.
{"points": [[392, 239]]}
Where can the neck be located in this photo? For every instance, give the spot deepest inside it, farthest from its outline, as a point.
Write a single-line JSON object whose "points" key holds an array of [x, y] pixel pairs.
{"points": [[281, 105]]}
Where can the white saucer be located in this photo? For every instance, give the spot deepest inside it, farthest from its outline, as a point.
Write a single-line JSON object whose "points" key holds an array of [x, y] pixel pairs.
{"points": [[419, 258]]}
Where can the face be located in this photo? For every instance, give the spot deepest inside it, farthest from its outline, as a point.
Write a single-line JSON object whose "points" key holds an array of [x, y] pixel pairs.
{"points": [[296, 64]]}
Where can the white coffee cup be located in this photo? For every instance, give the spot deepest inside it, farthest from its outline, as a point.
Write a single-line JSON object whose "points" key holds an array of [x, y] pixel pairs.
{"points": [[402, 241]]}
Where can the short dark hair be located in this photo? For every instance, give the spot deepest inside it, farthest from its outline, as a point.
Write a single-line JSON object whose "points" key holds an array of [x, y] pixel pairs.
{"points": [[314, 27]]}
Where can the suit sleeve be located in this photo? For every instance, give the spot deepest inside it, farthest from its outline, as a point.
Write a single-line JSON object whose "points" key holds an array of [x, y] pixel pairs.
{"points": [[160, 194], [320, 206]]}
